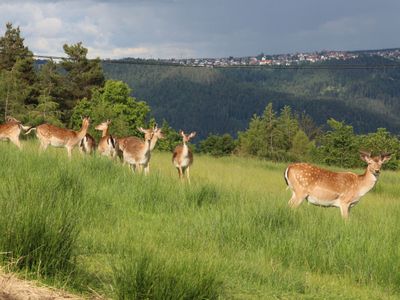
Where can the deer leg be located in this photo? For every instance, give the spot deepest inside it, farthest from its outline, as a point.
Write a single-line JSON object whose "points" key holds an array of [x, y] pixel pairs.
{"points": [[187, 174], [180, 172], [297, 199], [15, 140], [147, 169], [344, 210], [43, 146], [69, 151]]}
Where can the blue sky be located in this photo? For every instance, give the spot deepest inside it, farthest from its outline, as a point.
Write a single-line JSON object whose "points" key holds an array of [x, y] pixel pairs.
{"points": [[203, 28]]}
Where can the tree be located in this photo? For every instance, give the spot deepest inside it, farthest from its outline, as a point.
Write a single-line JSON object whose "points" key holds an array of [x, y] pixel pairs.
{"points": [[301, 147], [50, 86], [12, 48], [288, 126], [218, 145], [113, 101], [339, 146], [17, 72], [171, 138], [82, 75]]}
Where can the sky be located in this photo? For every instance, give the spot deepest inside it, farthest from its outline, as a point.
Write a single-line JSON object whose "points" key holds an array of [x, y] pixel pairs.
{"points": [[203, 28]]}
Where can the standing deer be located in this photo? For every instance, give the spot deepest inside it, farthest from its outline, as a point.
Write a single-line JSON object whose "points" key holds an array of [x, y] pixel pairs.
{"points": [[87, 144], [11, 130], [157, 134], [326, 188], [182, 157], [59, 137], [136, 152], [108, 145]]}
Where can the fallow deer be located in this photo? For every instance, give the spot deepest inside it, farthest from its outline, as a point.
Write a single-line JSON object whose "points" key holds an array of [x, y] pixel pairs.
{"points": [[59, 137], [11, 130], [87, 144], [182, 157], [108, 145], [332, 189], [157, 134], [137, 152]]}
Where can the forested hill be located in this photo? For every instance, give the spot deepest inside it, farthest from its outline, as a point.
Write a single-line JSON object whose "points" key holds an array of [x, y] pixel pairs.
{"points": [[223, 100]]}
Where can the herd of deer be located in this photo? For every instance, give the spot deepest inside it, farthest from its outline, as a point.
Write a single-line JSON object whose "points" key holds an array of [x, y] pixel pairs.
{"points": [[132, 150], [319, 186]]}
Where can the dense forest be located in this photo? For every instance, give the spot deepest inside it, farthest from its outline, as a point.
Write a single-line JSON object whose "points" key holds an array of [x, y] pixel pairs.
{"points": [[223, 100]]}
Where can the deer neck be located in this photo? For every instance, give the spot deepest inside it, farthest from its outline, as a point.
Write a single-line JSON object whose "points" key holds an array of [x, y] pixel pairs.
{"points": [[82, 132], [185, 151], [366, 182], [153, 142], [147, 146], [104, 132]]}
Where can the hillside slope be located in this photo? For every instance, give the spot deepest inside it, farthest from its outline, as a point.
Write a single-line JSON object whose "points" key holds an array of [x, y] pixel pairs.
{"points": [[228, 235], [224, 100]]}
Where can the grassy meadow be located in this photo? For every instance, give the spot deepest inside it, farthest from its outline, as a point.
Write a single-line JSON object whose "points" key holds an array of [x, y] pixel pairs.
{"points": [[91, 226]]}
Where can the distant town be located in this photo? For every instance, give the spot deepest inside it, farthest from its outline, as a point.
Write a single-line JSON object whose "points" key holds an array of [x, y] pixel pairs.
{"points": [[281, 59]]}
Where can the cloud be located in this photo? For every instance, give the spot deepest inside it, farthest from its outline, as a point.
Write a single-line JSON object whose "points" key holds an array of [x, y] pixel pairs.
{"points": [[207, 28]]}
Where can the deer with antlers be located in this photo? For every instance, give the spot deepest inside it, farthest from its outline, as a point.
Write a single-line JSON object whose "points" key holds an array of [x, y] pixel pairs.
{"points": [[11, 131], [59, 137], [87, 144], [182, 156], [108, 145], [137, 152], [332, 189]]}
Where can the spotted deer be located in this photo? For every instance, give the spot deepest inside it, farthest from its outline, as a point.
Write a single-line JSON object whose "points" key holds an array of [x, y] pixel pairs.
{"points": [[59, 137], [87, 144], [108, 145], [11, 131], [157, 134], [182, 156], [332, 189], [137, 152]]}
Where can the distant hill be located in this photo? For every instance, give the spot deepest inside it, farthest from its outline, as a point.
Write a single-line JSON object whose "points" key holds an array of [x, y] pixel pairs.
{"points": [[223, 100]]}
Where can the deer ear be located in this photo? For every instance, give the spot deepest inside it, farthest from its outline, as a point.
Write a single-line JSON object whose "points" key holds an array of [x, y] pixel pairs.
{"points": [[141, 129], [193, 134], [385, 157], [181, 133], [365, 156]]}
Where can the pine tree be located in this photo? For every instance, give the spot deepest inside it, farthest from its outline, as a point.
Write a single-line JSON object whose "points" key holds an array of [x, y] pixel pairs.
{"points": [[82, 75], [50, 86], [17, 71]]}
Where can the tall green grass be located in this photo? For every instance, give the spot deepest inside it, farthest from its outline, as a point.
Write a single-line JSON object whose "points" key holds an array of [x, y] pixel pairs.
{"points": [[39, 213], [94, 225]]}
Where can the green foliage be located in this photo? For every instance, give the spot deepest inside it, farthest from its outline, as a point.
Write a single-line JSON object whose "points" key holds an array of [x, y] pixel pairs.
{"points": [[50, 86], [171, 138], [17, 75], [218, 145], [339, 146], [82, 74], [12, 48], [302, 147], [113, 102], [269, 136]]}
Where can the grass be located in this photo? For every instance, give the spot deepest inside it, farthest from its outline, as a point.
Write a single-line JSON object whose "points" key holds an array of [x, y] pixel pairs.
{"points": [[90, 224]]}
